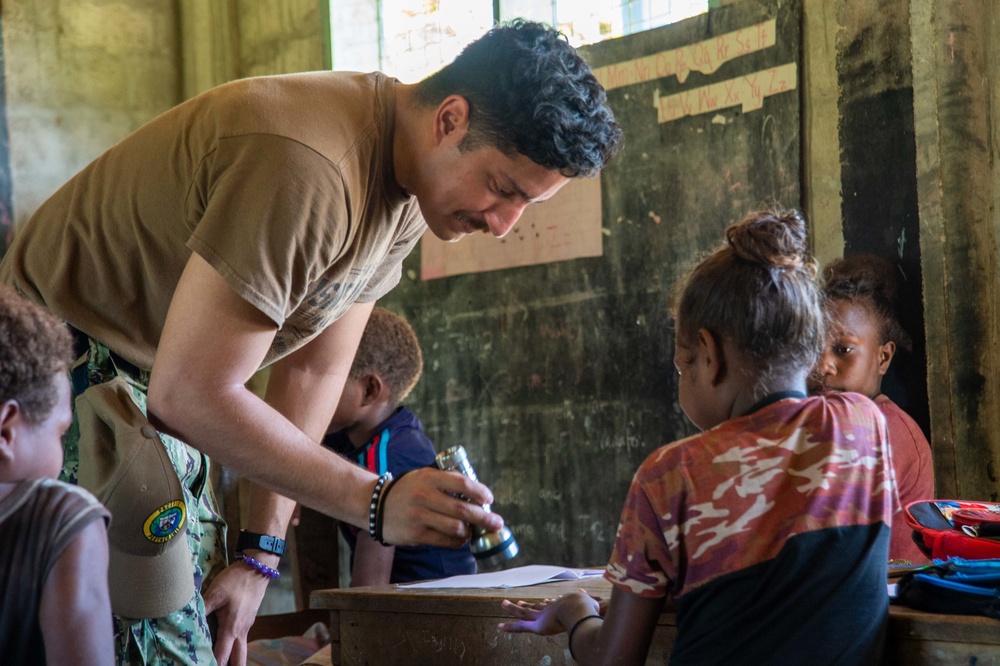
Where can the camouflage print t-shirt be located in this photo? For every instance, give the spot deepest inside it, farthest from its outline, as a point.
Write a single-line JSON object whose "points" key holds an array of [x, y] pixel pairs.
{"points": [[770, 532]]}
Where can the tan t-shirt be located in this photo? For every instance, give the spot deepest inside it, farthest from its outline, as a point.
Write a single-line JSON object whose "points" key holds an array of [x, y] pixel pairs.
{"points": [[284, 184]]}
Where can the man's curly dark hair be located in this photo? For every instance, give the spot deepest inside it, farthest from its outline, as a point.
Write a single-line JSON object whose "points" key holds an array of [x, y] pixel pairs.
{"points": [[34, 346], [530, 92], [389, 348]]}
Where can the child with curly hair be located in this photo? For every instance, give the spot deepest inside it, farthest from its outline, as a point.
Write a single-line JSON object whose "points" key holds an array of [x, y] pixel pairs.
{"points": [[769, 529], [865, 335], [372, 428], [54, 601]]}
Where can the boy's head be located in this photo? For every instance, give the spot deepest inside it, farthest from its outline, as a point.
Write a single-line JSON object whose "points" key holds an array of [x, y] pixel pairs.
{"points": [[864, 332], [36, 351], [516, 114], [757, 293], [386, 367]]}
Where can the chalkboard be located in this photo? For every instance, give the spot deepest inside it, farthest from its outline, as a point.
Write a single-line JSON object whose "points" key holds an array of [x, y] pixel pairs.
{"points": [[558, 378]]}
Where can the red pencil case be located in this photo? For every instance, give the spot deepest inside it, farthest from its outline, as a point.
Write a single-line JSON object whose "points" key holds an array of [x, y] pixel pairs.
{"points": [[955, 528]]}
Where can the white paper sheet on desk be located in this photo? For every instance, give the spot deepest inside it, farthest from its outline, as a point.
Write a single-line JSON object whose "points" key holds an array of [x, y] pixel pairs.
{"points": [[517, 577]]}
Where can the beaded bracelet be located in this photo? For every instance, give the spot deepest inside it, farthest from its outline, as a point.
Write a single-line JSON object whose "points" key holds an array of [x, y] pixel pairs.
{"points": [[373, 507], [380, 509], [259, 567], [569, 641]]}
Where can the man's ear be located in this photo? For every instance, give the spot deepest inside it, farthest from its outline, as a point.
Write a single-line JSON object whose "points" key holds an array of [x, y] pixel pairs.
{"points": [[713, 358], [374, 390], [886, 352], [10, 416], [451, 119]]}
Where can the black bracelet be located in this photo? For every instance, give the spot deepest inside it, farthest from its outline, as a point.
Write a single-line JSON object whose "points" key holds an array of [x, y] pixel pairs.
{"points": [[380, 509], [373, 506], [571, 631], [268, 544]]}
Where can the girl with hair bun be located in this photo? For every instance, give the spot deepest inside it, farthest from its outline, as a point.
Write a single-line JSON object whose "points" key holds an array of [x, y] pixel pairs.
{"points": [[864, 337], [769, 530]]}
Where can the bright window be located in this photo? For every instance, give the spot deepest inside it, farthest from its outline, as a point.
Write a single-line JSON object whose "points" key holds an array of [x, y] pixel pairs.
{"points": [[410, 39]]}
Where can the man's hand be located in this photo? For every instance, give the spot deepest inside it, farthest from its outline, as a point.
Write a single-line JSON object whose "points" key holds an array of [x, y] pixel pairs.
{"points": [[424, 509], [234, 596]]}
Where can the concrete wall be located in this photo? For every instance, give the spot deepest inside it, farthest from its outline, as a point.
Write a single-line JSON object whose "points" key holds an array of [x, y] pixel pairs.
{"points": [[281, 37], [225, 40], [81, 74]]}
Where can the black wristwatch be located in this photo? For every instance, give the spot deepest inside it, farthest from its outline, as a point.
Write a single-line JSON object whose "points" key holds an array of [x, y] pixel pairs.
{"points": [[269, 544]]}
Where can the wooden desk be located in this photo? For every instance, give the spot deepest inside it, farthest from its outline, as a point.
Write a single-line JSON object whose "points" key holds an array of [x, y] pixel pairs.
{"points": [[916, 638], [402, 626], [391, 625]]}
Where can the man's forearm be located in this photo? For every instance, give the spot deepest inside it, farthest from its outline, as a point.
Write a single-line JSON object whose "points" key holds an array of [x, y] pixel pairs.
{"points": [[270, 512], [212, 342], [239, 430]]}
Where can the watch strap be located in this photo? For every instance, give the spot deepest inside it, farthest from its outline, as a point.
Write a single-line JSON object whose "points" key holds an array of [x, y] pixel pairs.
{"points": [[269, 544]]}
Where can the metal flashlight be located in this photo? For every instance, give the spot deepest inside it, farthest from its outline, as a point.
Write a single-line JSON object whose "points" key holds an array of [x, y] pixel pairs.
{"points": [[489, 548]]}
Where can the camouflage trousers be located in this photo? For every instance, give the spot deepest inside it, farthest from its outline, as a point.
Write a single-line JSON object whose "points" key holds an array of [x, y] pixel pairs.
{"points": [[182, 637]]}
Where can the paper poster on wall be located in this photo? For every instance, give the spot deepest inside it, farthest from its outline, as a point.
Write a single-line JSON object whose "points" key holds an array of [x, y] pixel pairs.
{"points": [[705, 57], [747, 92], [567, 226]]}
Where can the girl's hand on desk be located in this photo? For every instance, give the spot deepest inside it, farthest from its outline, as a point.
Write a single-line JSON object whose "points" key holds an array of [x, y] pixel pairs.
{"points": [[547, 617], [534, 617]]}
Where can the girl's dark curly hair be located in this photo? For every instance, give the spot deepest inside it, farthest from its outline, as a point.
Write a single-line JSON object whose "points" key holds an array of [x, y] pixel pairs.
{"points": [[530, 92], [390, 349], [758, 290], [34, 346], [870, 281]]}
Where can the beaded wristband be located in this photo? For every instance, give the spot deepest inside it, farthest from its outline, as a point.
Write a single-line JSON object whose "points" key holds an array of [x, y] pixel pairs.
{"points": [[380, 509], [380, 512], [259, 567], [373, 507], [569, 641]]}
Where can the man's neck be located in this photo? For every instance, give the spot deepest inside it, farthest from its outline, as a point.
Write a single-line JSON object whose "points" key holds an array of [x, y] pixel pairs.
{"points": [[406, 137]]}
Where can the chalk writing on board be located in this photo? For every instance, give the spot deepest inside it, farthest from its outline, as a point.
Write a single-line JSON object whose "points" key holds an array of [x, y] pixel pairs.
{"points": [[746, 91], [705, 57]]}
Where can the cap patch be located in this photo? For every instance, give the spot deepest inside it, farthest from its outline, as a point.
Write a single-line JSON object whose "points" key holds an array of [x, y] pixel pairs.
{"points": [[164, 523]]}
